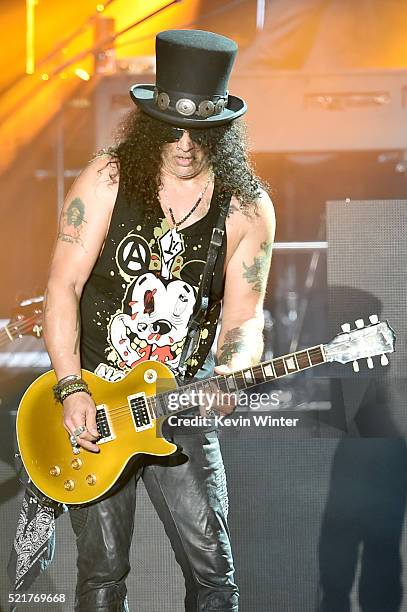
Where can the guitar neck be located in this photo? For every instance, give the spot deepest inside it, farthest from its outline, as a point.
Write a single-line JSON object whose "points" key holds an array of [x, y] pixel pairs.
{"points": [[240, 380]]}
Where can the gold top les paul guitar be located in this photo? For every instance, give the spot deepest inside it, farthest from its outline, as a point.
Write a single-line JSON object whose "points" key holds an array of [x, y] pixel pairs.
{"points": [[130, 413]]}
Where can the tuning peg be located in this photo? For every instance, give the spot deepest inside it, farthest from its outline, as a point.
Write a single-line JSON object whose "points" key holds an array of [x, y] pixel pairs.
{"points": [[369, 362], [384, 360], [359, 323], [345, 327], [355, 366], [374, 319]]}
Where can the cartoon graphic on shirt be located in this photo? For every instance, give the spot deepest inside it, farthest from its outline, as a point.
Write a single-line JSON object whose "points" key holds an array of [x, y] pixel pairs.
{"points": [[159, 319], [152, 322]]}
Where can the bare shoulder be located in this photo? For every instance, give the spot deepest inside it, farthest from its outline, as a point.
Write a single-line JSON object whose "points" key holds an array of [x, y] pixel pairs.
{"points": [[264, 203], [99, 180], [264, 212], [88, 207], [259, 219]]}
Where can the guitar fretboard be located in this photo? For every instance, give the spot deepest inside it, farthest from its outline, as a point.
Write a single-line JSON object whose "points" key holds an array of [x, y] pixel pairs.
{"points": [[244, 379]]}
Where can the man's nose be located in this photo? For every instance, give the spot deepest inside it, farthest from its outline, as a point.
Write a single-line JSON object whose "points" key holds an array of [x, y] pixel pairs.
{"points": [[185, 143]]}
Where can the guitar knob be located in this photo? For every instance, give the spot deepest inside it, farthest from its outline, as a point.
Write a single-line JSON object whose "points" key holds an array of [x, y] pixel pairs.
{"points": [[355, 366], [69, 485], [384, 360], [91, 479], [345, 327], [55, 470], [359, 323], [150, 376], [374, 319], [76, 463], [369, 362]]}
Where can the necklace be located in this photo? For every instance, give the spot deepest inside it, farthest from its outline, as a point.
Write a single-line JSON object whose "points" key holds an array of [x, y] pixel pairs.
{"points": [[175, 223]]}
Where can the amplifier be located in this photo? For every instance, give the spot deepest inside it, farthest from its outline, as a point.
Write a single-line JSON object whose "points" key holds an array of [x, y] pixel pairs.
{"points": [[291, 111]]}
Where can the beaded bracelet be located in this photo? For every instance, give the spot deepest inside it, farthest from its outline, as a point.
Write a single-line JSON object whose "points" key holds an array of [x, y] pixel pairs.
{"points": [[61, 384], [74, 388], [72, 383]]}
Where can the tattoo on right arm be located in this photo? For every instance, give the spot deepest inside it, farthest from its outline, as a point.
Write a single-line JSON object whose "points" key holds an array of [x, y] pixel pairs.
{"points": [[72, 223]]}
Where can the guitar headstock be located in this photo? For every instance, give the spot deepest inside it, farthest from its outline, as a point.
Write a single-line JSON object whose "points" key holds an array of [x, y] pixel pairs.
{"points": [[363, 342], [27, 318]]}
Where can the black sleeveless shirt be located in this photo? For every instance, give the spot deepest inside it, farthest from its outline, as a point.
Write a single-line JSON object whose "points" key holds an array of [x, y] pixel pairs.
{"points": [[141, 292]]}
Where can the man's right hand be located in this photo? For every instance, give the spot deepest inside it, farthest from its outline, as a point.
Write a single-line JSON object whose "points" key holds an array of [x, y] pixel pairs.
{"points": [[80, 410]]}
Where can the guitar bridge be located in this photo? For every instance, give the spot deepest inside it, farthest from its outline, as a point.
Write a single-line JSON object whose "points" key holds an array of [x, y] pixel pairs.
{"points": [[103, 425], [140, 412]]}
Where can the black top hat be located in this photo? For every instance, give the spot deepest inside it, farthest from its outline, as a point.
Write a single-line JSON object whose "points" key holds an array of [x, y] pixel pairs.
{"points": [[193, 69]]}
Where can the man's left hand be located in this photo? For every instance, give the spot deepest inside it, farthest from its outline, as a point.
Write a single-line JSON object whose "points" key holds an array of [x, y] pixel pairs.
{"points": [[226, 402]]}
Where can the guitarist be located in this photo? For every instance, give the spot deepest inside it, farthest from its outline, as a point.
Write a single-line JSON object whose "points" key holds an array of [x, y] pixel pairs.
{"points": [[132, 245]]}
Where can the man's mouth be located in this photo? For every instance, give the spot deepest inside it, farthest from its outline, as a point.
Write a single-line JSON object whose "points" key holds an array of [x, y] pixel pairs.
{"points": [[184, 161]]}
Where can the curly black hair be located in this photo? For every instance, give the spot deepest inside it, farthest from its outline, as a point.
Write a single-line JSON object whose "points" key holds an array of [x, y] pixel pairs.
{"points": [[137, 157]]}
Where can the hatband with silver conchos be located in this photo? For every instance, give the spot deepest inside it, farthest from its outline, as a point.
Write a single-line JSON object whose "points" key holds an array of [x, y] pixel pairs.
{"points": [[187, 107]]}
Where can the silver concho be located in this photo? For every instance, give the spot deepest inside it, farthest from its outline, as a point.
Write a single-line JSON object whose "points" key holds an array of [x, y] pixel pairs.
{"points": [[220, 106], [206, 108], [163, 100], [185, 107]]}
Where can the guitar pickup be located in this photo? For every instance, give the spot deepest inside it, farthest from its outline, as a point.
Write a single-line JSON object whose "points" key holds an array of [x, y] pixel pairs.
{"points": [[103, 425], [140, 412]]}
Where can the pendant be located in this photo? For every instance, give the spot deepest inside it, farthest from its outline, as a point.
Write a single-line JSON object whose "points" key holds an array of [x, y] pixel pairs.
{"points": [[174, 234]]}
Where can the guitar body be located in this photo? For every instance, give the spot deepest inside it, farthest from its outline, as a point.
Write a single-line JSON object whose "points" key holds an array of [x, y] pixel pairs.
{"points": [[44, 444], [126, 412]]}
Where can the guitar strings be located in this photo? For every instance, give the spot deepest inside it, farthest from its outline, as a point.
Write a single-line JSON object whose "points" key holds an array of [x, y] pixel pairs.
{"points": [[186, 387], [124, 410], [23, 326]]}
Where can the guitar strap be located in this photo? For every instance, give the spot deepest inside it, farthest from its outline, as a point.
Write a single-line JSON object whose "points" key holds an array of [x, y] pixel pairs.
{"points": [[202, 301]]}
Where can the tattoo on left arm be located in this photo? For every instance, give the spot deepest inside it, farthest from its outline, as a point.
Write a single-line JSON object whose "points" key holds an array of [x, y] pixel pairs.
{"points": [[257, 274], [233, 343]]}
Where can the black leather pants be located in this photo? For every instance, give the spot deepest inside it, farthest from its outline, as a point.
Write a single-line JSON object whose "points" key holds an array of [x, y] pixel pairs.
{"points": [[190, 498]]}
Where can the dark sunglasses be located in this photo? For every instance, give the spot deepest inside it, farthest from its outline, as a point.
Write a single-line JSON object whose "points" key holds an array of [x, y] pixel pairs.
{"points": [[173, 134]]}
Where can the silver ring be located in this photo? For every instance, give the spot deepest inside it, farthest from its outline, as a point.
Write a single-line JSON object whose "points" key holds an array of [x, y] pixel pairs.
{"points": [[73, 440], [79, 430]]}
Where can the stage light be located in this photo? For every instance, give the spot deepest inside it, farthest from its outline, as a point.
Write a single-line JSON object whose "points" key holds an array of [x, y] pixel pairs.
{"points": [[100, 8], [82, 74], [45, 76], [29, 37]]}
